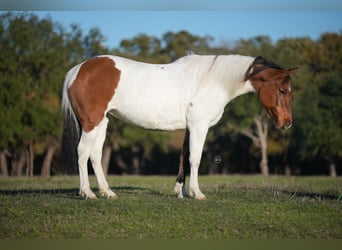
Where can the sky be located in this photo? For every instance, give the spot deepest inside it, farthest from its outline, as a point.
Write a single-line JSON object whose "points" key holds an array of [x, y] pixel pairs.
{"points": [[223, 26], [225, 21]]}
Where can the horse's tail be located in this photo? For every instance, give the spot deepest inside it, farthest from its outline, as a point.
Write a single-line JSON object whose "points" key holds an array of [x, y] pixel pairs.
{"points": [[71, 128]]}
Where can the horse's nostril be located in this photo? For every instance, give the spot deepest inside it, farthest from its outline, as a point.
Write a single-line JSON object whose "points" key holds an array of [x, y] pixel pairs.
{"points": [[288, 125]]}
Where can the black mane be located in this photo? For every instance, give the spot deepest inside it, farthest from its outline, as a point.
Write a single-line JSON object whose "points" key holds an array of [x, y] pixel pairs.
{"points": [[260, 64]]}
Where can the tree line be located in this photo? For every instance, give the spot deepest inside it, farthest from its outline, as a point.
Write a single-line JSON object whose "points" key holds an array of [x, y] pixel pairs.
{"points": [[35, 55]]}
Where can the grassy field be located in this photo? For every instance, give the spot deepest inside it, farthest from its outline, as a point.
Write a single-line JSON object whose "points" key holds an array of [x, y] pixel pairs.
{"points": [[236, 207]]}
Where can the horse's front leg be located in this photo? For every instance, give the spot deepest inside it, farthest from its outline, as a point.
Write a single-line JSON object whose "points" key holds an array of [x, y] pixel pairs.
{"points": [[197, 139]]}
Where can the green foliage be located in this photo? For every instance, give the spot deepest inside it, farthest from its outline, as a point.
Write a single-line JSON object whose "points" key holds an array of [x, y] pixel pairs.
{"points": [[93, 44], [320, 119], [171, 47], [178, 44], [34, 58], [34, 62], [240, 111], [319, 130], [141, 46]]}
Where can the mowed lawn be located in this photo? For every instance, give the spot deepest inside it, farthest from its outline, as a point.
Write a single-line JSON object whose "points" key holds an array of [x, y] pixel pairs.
{"points": [[237, 207]]}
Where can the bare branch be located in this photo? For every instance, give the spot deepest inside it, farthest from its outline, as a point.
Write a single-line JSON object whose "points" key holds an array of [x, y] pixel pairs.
{"points": [[250, 135]]}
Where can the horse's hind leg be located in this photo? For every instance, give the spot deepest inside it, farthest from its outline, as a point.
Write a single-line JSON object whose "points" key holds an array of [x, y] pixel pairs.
{"points": [[96, 156], [83, 149], [184, 166]]}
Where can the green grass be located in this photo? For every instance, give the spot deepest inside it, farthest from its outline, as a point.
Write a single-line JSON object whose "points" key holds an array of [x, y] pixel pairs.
{"points": [[236, 207]]}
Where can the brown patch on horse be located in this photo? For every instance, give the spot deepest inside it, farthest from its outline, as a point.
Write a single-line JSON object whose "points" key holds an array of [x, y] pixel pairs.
{"points": [[272, 83], [92, 89]]}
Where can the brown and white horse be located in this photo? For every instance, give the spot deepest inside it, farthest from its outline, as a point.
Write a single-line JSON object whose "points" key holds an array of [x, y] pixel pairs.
{"points": [[190, 94]]}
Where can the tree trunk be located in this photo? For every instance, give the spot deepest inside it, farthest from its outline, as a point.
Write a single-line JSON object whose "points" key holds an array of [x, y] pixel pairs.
{"points": [[262, 131], [3, 163], [30, 160], [106, 154], [332, 168], [19, 165], [264, 162], [260, 141], [118, 161], [46, 167], [135, 159], [287, 170], [213, 165]]}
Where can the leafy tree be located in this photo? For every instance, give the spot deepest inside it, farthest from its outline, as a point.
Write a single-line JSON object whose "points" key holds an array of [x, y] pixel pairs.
{"points": [[34, 60], [179, 44], [318, 131], [16, 84], [256, 46], [93, 43], [142, 47]]}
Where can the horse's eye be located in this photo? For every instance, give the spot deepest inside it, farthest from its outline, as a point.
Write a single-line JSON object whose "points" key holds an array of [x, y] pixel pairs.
{"points": [[282, 91]]}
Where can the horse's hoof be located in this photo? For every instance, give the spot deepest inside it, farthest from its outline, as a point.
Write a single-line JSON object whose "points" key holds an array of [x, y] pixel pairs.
{"points": [[88, 194], [180, 190], [200, 198], [109, 194]]}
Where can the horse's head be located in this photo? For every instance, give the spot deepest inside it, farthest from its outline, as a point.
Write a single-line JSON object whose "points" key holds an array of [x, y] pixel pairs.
{"points": [[272, 84]]}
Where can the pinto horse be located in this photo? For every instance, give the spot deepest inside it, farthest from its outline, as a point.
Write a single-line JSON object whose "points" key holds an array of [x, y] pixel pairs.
{"points": [[190, 93]]}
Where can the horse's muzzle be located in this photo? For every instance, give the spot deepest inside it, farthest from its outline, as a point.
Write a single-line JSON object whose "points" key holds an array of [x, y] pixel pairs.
{"points": [[287, 125]]}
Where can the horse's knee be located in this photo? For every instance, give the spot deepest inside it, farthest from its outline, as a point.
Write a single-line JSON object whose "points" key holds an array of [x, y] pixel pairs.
{"points": [[194, 162], [95, 157]]}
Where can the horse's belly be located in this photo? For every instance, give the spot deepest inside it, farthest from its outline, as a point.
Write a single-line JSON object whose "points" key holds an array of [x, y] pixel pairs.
{"points": [[150, 114]]}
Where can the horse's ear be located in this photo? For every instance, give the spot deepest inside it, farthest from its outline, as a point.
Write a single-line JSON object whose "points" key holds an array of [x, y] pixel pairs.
{"points": [[286, 72], [292, 71]]}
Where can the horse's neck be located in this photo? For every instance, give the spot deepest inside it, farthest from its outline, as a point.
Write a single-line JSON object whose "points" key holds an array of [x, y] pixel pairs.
{"points": [[226, 72]]}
